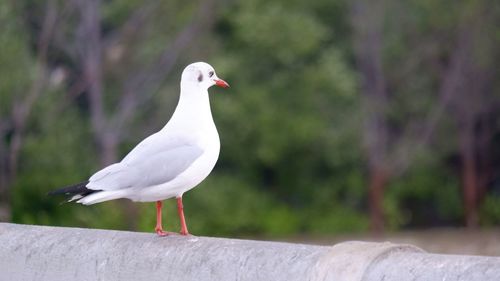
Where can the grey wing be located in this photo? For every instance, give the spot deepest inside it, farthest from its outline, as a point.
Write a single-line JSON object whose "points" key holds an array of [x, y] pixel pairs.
{"points": [[148, 147], [147, 170], [153, 144]]}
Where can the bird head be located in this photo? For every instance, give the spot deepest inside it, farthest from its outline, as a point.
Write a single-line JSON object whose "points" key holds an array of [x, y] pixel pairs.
{"points": [[203, 75]]}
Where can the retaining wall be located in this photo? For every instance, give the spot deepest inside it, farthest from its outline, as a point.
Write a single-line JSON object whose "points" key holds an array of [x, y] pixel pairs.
{"points": [[57, 253]]}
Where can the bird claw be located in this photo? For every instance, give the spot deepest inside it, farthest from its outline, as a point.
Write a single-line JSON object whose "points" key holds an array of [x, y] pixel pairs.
{"points": [[162, 233]]}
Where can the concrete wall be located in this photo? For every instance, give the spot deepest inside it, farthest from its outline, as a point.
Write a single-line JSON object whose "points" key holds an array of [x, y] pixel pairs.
{"points": [[55, 253]]}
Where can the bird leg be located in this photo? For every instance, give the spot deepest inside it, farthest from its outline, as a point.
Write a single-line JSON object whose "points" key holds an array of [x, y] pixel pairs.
{"points": [[159, 228], [180, 210]]}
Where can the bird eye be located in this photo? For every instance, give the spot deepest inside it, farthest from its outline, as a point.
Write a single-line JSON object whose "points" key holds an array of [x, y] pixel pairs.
{"points": [[210, 74]]}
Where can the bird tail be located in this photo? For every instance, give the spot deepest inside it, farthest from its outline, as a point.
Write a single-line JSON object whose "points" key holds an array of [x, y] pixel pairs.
{"points": [[101, 196], [75, 191], [81, 194]]}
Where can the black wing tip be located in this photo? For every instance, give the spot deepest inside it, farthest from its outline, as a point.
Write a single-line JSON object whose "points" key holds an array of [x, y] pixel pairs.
{"points": [[72, 189]]}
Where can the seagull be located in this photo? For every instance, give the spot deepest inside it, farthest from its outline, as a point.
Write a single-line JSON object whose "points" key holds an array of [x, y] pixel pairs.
{"points": [[168, 163]]}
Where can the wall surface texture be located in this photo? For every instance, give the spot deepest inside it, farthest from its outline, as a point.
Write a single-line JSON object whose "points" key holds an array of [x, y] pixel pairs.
{"points": [[56, 253]]}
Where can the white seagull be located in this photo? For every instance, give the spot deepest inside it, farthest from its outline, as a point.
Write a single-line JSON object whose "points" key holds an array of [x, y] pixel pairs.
{"points": [[167, 163]]}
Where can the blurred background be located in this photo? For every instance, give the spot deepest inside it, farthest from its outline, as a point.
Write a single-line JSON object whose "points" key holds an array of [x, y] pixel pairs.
{"points": [[345, 118]]}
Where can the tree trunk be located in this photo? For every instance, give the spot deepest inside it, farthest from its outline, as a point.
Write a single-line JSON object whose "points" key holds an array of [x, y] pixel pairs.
{"points": [[106, 137], [377, 182], [5, 207], [5, 210], [485, 168], [20, 112], [469, 174], [367, 20]]}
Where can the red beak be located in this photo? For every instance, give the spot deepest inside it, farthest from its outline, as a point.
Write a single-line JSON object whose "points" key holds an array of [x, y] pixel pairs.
{"points": [[221, 83]]}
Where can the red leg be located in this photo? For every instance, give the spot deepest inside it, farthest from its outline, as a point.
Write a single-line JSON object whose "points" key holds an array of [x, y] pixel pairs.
{"points": [[180, 210], [159, 228]]}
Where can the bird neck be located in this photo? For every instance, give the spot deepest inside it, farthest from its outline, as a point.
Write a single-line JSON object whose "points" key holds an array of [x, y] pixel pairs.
{"points": [[193, 108]]}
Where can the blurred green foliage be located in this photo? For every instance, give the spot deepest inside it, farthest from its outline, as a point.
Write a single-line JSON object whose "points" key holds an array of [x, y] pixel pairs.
{"points": [[292, 158]]}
